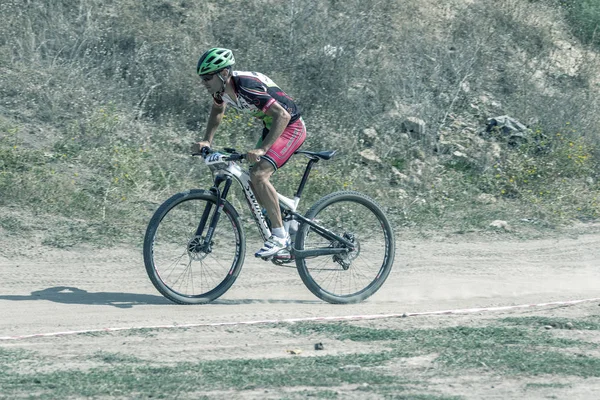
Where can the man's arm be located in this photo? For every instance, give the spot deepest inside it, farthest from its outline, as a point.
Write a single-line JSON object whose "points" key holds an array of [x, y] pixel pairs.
{"points": [[214, 120]]}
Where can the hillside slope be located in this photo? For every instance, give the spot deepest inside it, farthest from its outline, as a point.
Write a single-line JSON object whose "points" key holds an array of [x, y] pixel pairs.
{"points": [[99, 101]]}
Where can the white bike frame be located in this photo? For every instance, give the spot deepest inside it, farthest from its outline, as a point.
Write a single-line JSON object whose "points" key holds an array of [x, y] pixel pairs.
{"points": [[223, 169]]}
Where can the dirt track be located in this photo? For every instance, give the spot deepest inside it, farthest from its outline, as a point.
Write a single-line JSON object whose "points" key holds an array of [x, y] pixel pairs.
{"points": [[83, 289]]}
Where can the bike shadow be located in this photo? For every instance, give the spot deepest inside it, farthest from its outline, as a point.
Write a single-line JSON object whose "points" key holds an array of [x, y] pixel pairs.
{"points": [[73, 295], [264, 301]]}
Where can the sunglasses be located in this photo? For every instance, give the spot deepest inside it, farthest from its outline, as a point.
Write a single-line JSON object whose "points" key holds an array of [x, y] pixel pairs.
{"points": [[207, 77]]}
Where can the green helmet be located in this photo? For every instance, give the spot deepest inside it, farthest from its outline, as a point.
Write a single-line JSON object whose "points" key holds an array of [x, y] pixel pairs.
{"points": [[214, 60]]}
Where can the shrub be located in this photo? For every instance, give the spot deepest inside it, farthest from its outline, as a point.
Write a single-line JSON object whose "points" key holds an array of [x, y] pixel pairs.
{"points": [[557, 174]]}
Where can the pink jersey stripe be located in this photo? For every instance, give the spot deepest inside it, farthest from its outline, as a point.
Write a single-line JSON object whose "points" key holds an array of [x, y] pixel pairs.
{"points": [[268, 105]]}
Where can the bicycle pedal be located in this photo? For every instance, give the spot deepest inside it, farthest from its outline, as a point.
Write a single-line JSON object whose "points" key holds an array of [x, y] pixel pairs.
{"points": [[282, 255]]}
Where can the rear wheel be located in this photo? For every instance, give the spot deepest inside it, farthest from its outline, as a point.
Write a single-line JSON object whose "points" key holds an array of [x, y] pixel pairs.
{"points": [[182, 265], [353, 276]]}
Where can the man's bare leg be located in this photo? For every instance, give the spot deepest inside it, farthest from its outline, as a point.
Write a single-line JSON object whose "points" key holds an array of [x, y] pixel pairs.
{"points": [[265, 191], [267, 196]]}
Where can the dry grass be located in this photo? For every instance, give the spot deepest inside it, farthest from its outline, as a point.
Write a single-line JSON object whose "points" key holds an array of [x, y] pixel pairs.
{"points": [[99, 103]]}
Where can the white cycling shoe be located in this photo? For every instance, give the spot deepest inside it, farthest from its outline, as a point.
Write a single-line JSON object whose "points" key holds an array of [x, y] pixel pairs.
{"points": [[272, 246]]}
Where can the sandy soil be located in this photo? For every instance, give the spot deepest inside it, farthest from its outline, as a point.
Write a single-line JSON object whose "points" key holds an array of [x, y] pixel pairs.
{"points": [[54, 291]]}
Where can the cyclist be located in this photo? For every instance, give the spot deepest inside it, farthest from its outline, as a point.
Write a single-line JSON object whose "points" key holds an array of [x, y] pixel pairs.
{"points": [[283, 133]]}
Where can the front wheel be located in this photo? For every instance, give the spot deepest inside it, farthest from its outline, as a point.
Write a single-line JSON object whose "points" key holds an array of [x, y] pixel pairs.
{"points": [[353, 276], [180, 263]]}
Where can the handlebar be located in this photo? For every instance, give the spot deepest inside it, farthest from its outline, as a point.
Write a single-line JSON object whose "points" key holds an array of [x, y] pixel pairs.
{"points": [[233, 156], [236, 157]]}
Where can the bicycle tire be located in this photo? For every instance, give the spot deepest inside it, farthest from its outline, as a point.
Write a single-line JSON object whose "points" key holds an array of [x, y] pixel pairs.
{"points": [[170, 232], [350, 209]]}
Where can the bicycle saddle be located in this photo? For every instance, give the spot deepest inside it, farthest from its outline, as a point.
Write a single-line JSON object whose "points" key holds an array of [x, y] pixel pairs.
{"points": [[324, 155]]}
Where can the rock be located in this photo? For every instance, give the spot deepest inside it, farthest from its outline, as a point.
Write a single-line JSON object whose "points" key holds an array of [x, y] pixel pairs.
{"points": [[370, 133], [413, 125], [500, 224], [486, 198], [495, 151], [370, 155], [487, 100], [397, 178], [400, 194], [369, 136], [506, 124], [370, 175], [569, 325], [505, 127], [397, 173], [465, 86], [333, 51]]}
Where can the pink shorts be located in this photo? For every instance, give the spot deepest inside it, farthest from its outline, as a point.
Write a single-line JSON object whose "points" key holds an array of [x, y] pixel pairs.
{"points": [[284, 147]]}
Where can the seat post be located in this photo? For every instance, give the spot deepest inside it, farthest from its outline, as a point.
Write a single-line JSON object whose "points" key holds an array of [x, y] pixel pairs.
{"points": [[305, 176]]}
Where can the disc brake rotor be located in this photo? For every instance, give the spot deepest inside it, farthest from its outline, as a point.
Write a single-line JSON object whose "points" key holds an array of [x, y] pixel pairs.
{"points": [[345, 260], [196, 249]]}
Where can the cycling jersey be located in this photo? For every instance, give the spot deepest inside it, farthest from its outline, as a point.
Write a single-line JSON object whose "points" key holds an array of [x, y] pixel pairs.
{"points": [[255, 94]]}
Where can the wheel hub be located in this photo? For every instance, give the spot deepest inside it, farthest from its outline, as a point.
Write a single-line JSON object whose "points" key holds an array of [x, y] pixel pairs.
{"points": [[197, 249], [345, 260]]}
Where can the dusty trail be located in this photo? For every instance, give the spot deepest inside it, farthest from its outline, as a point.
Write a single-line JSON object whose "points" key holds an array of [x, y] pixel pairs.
{"points": [[79, 290]]}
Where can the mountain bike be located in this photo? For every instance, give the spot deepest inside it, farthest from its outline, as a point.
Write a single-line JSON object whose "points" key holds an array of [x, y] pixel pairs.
{"points": [[195, 245]]}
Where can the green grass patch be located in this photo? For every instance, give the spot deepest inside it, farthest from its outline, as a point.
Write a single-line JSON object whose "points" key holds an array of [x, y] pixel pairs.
{"points": [[14, 226], [517, 350], [8, 358], [512, 350], [421, 338], [127, 379]]}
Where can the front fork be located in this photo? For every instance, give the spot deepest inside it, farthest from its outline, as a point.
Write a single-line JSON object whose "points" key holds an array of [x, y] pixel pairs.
{"points": [[221, 196]]}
